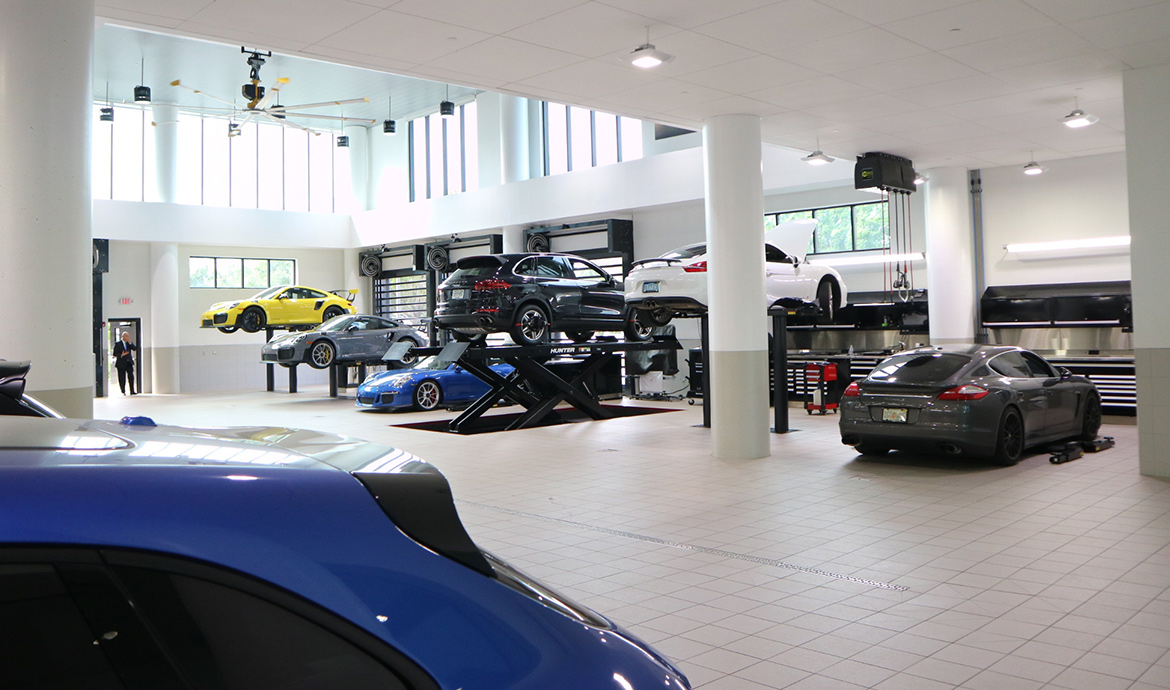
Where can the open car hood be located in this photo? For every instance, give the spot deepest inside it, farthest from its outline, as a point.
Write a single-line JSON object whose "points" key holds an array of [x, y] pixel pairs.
{"points": [[792, 237]]}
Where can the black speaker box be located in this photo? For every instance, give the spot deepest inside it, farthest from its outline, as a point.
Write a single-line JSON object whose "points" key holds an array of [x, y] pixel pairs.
{"points": [[884, 171]]}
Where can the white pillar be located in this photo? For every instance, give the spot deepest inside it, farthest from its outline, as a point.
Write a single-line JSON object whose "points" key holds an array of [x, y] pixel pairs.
{"points": [[164, 317], [738, 358], [513, 239], [514, 151], [166, 151], [45, 197], [489, 135], [359, 167], [1147, 102], [950, 257]]}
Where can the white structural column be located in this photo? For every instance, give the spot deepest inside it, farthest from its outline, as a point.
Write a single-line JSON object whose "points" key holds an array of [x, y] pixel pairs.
{"points": [[1147, 102], [164, 317], [359, 168], [514, 154], [45, 197], [950, 257], [738, 356], [166, 151]]}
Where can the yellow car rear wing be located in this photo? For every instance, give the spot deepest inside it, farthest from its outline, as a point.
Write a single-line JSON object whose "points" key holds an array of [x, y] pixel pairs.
{"points": [[346, 295]]}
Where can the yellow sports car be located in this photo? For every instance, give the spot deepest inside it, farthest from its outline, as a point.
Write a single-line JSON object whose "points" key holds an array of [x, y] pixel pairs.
{"points": [[283, 305]]}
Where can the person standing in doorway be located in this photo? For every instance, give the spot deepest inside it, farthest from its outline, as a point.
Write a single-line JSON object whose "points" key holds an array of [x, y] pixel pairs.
{"points": [[124, 362]]}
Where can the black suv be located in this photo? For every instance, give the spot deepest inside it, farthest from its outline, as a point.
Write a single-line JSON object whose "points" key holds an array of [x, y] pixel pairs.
{"points": [[529, 295]]}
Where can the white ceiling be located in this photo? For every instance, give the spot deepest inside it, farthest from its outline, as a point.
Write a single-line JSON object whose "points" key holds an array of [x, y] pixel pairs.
{"points": [[974, 83]]}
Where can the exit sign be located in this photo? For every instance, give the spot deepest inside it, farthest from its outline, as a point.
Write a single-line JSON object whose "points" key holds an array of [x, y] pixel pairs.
{"points": [[125, 300]]}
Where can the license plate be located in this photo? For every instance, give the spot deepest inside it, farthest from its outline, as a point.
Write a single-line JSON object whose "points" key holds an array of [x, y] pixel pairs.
{"points": [[650, 286], [894, 414], [461, 294]]}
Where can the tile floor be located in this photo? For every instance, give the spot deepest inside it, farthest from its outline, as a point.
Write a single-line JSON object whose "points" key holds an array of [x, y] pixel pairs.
{"points": [[813, 568]]}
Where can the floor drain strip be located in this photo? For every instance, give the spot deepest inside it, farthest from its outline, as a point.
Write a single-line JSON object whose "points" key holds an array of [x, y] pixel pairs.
{"points": [[689, 547]]}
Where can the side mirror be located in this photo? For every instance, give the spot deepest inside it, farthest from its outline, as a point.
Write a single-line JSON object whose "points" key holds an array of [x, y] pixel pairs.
{"points": [[1065, 374]]}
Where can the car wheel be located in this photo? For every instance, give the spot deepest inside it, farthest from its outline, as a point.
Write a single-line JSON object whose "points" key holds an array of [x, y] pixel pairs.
{"points": [[827, 298], [427, 395], [253, 319], [1091, 419], [1009, 444], [228, 329], [530, 325], [871, 449], [638, 328], [657, 317], [321, 354], [410, 357], [580, 336], [331, 312]]}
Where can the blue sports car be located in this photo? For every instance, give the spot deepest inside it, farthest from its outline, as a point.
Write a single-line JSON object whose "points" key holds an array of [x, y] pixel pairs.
{"points": [[327, 562], [428, 385]]}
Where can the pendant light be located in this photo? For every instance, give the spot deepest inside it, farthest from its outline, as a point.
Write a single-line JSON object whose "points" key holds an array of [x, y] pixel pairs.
{"points": [[1079, 118], [142, 92], [818, 157], [107, 113], [647, 56], [446, 107], [389, 126]]}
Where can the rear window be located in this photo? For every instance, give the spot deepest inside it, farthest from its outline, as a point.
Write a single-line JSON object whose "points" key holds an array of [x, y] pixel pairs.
{"points": [[922, 367], [687, 252], [477, 267]]}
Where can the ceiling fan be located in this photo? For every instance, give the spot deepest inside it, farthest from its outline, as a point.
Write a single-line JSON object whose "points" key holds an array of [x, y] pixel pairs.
{"points": [[261, 106]]}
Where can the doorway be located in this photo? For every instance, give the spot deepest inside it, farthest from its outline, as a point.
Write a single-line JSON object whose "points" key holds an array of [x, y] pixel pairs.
{"points": [[114, 330]]}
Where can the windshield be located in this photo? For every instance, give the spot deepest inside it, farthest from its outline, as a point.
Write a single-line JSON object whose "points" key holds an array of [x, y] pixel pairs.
{"points": [[337, 323], [269, 293], [432, 364], [688, 252], [919, 367]]}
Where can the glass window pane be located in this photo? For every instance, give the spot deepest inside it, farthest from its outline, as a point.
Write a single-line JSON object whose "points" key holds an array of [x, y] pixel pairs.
{"points": [[471, 145], [418, 172], [296, 169], [255, 273], [244, 167], [606, 125], [283, 272], [189, 180], [228, 273], [343, 199], [631, 138], [321, 173], [834, 230], [149, 166], [102, 135], [454, 149], [128, 153], [215, 163], [558, 140], [202, 270], [870, 226], [582, 143], [270, 167], [435, 139]]}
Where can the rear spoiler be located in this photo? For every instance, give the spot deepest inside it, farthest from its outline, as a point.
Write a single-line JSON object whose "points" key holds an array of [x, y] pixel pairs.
{"points": [[643, 262], [12, 378], [346, 295]]}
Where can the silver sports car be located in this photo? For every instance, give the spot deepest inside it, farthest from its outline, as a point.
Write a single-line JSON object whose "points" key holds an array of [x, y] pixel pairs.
{"points": [[347, 338], [979, 400]]}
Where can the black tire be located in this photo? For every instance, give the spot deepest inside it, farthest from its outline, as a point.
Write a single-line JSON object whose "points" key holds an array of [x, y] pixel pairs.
{"points": [[530, 325], [322, 354], [427, 395], [253, 320], [871, 449], [410, 358], [1009, 439], [827, 298], [331, 312], [579, 336], [1091, 418], [638, 329], [228, 329]]}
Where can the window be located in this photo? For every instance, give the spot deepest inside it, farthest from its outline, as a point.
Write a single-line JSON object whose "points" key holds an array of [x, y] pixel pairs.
{"points": [[228, 272], [586, 272], [443, 155], [1012, 365], [577, 138], [402, 296], [854, 227]]}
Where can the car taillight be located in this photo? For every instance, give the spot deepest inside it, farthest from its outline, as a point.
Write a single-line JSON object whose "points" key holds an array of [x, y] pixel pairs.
{"points": [[852, 391], [697, 267], [491, 284], [965, 392]]}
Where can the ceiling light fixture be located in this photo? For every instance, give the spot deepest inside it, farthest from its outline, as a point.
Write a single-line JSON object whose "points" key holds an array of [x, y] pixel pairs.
{"points": [[446, 107], [818, 157], [1032, 167], [647, 56], [919, 178], [1079, 118], [233, 129], [141, 92], [1066, 245], [342, 142], [389, 126], [107, 113]]}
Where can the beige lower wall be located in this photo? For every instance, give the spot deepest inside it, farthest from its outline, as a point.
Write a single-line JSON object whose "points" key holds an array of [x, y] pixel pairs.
{"points": [[1153, 410], [740, 428]]}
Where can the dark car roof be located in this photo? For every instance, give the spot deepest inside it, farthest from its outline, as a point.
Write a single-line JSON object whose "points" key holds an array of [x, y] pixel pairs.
{"points": [[507, 259], [985, 351]]}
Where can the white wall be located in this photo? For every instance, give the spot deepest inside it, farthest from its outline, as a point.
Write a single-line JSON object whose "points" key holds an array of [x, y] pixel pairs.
{"points": [[1076, 198]]}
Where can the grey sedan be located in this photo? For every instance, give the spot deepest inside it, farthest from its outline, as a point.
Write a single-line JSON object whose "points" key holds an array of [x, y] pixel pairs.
{"points": [[981, 401], [347, 338]]}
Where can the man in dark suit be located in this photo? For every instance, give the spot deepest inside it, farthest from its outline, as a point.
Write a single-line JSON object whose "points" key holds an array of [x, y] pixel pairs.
{"points": [[124, 361]]}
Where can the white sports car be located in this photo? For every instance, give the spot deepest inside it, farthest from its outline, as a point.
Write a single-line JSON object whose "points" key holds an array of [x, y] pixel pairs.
{"points": [[676, 282]]}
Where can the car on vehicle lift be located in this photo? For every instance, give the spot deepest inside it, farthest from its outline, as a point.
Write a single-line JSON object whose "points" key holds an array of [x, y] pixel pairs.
{"points": [[327, 562], [280, 306], [675, 284], [530, 295], [428, 384], [991, 401], [346, 338]]}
